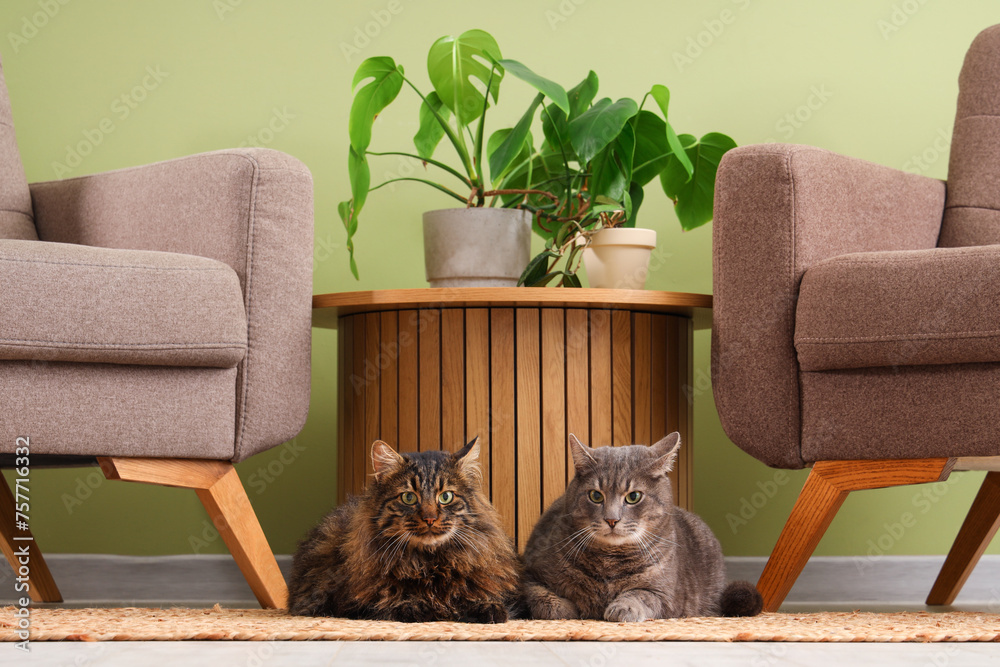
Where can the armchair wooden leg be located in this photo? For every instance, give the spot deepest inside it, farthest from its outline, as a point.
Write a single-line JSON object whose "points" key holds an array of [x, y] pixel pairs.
{"points": [[221, 492], [824, 492], [41, 586], [974, 536]]}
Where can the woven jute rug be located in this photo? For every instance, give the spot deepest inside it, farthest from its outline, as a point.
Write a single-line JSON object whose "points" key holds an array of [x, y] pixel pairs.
{"points": [[134, 624]]}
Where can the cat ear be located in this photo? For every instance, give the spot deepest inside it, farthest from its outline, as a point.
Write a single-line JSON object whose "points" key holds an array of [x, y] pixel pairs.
{"points": [[468, 459], [665, 453], [582, 458], [468, 455], [385, 459]]}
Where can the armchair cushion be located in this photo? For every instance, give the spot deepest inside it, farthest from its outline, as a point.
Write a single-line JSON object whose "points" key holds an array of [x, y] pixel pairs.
{"points": [[64, 302], [906, 308]]}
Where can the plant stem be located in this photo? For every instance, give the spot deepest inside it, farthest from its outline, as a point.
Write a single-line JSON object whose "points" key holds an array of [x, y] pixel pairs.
{"points": [[434, 185], [456, 138], [440, 165]]}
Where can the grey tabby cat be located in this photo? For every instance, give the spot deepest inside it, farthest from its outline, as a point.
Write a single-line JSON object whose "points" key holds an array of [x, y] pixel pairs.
{"points": [[615, 547]]}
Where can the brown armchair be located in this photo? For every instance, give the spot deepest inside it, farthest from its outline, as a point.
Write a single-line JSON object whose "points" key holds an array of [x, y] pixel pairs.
{"points": [[156, 321], [857, 323]]}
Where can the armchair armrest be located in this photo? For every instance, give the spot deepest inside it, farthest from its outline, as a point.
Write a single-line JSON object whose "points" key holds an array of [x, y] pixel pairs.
{"points": [[778, 210], [249, 208]]}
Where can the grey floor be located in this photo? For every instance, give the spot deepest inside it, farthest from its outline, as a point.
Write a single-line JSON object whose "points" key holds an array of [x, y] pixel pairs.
{"points": [[891, 584]]}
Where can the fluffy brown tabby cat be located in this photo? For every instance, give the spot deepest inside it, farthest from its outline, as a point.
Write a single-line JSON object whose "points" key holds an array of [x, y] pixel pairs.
{"points": [[615, 547], [421, 544]]}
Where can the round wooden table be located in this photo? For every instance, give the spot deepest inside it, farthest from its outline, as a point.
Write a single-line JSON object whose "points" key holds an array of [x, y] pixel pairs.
{"points": [[519, 367]]}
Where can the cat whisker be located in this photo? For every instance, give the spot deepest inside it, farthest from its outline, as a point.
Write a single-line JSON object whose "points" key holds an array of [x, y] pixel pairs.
{"points": [[575, 538], [581, 544], [661, 540], [399, 544]]}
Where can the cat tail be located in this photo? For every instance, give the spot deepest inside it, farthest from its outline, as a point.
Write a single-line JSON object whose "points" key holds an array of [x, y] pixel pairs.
{"points": [[741, 598]]}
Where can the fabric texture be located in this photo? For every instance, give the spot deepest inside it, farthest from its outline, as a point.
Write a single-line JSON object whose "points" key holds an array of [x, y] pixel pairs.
{"points": [[16, 220], [901, 412], [972, 216], [65, 302], [114, 410], [250, 209], [904, 308], [780, 209]]}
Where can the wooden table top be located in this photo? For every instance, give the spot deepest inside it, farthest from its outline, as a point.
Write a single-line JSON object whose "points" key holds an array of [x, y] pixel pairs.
{"points": [[328, 307]]}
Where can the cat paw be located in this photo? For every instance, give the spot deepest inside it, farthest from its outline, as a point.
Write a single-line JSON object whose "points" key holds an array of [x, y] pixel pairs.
{"points": [[626, 611], [417, 614], [487, 613], [552, 607]]}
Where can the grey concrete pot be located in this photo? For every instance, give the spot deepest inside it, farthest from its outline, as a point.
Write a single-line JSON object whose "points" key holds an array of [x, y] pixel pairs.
{"points": [[476, 247]]}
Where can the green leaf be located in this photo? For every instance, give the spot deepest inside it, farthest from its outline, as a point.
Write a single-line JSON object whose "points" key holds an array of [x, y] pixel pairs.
{"points": [[357, 169], [661, 94], [677, 150], [520, 160], [345, 210], [555, 127], [453, 63], [370, 99], [651, 149], [550, 89], [694, 196], [599, 126], [582, 95], [571, 280], [504, 155], [431, 131], [611, 169], [536, 269]]}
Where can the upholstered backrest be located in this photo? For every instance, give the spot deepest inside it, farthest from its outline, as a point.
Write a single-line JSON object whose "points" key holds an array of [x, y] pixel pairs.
{"points": [[16, 220], [972, 210]]}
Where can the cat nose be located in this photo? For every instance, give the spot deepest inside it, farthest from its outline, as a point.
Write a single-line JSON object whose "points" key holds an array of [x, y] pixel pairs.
{"points": [[612, 522], [430, 520]]}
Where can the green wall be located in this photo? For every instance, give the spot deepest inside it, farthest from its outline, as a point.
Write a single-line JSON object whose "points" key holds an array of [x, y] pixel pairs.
{"points": [[873, 79]]}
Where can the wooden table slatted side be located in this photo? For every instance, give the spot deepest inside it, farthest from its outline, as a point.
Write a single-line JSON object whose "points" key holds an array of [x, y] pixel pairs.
{"points": [[518, 371]]}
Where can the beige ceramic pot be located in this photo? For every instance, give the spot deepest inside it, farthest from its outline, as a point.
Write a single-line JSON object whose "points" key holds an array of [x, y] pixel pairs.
{"points": [[619, 258], [476, 247]]}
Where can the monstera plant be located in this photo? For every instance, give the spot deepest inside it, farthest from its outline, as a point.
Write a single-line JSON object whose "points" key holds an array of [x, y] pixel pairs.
{"points": [[590, 169], [466, 73], [587, 173]]}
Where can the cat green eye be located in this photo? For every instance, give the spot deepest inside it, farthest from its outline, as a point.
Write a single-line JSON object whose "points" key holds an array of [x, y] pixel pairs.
{"points": [[445, 497], [408, 498], [596, 497], [632, 497]]}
